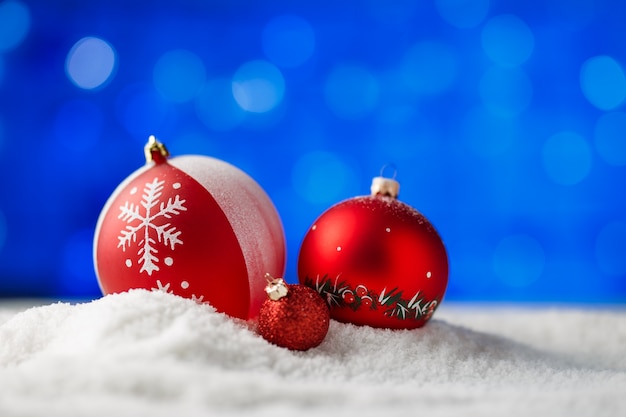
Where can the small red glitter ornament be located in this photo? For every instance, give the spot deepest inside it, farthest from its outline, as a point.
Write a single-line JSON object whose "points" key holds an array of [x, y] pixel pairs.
{"points": [[375, 260], [293, 316], [190, 225]]}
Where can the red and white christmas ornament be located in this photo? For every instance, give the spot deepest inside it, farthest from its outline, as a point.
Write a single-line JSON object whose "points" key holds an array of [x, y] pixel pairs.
{"points": [[190, 225], [376, 260]]}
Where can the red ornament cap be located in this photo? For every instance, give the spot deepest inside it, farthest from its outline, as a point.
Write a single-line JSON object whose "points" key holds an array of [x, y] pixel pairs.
{"points": [[293, 316]]}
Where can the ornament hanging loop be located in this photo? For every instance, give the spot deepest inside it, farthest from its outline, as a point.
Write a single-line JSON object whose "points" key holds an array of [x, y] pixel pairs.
{"points": [[155, 151], [276, 288], [384, 186]]}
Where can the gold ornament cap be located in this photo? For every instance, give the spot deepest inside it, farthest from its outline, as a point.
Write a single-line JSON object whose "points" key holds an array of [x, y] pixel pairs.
{"points": [[155, 151], [276, 288]]}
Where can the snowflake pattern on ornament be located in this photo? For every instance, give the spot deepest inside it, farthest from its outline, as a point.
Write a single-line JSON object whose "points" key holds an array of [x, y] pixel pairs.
{"points": [[143, 225]]}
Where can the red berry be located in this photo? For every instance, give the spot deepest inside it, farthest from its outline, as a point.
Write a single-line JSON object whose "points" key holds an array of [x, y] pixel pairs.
{"points": [[348, 297], [361, 290], [366, 301]]}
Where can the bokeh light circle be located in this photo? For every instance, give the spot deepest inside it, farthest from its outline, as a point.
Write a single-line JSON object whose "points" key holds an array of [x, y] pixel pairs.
{"points": [[14, 24], [179, 75], [429, 68], [216, 107], [610, 246], [507, 40], [463, 13], [322, 177], [90, 63], [567, 158], [288, 41], [351, 91], [518, 260], [506, 92], [610, 138], [258, 86], [603, 82]]}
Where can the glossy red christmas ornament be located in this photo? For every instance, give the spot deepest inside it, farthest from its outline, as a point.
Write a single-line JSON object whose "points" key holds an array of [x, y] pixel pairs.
{"points": [[191, 225], [376, 261], [293, 316]]}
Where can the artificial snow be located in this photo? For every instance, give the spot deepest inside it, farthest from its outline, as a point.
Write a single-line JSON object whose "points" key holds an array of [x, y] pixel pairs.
{"points": [[155, 354]]}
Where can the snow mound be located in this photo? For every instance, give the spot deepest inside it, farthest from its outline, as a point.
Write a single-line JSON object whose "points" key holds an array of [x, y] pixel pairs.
{"points": [[141, 353]]}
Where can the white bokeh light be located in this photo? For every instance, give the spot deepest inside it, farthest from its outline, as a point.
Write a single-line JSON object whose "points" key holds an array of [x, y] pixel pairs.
{"points": [[507, 40], [288, 41], [90, 63], [258, 86], [603, 82]]}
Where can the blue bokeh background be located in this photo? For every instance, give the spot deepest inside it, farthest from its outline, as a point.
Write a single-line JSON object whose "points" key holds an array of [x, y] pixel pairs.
{"points": [[505, 119]]}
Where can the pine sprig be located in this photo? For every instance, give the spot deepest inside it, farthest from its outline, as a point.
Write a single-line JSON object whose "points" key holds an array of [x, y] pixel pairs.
{"points": [[338, 293]]}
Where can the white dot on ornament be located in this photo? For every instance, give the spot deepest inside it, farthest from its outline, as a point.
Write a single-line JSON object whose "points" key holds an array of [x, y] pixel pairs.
{"points": [[168, 261], [176, 185], [338, 248], [429, 274], [129, 263], [133, 191], [314, 227], [388, 230], [184, 285]]}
